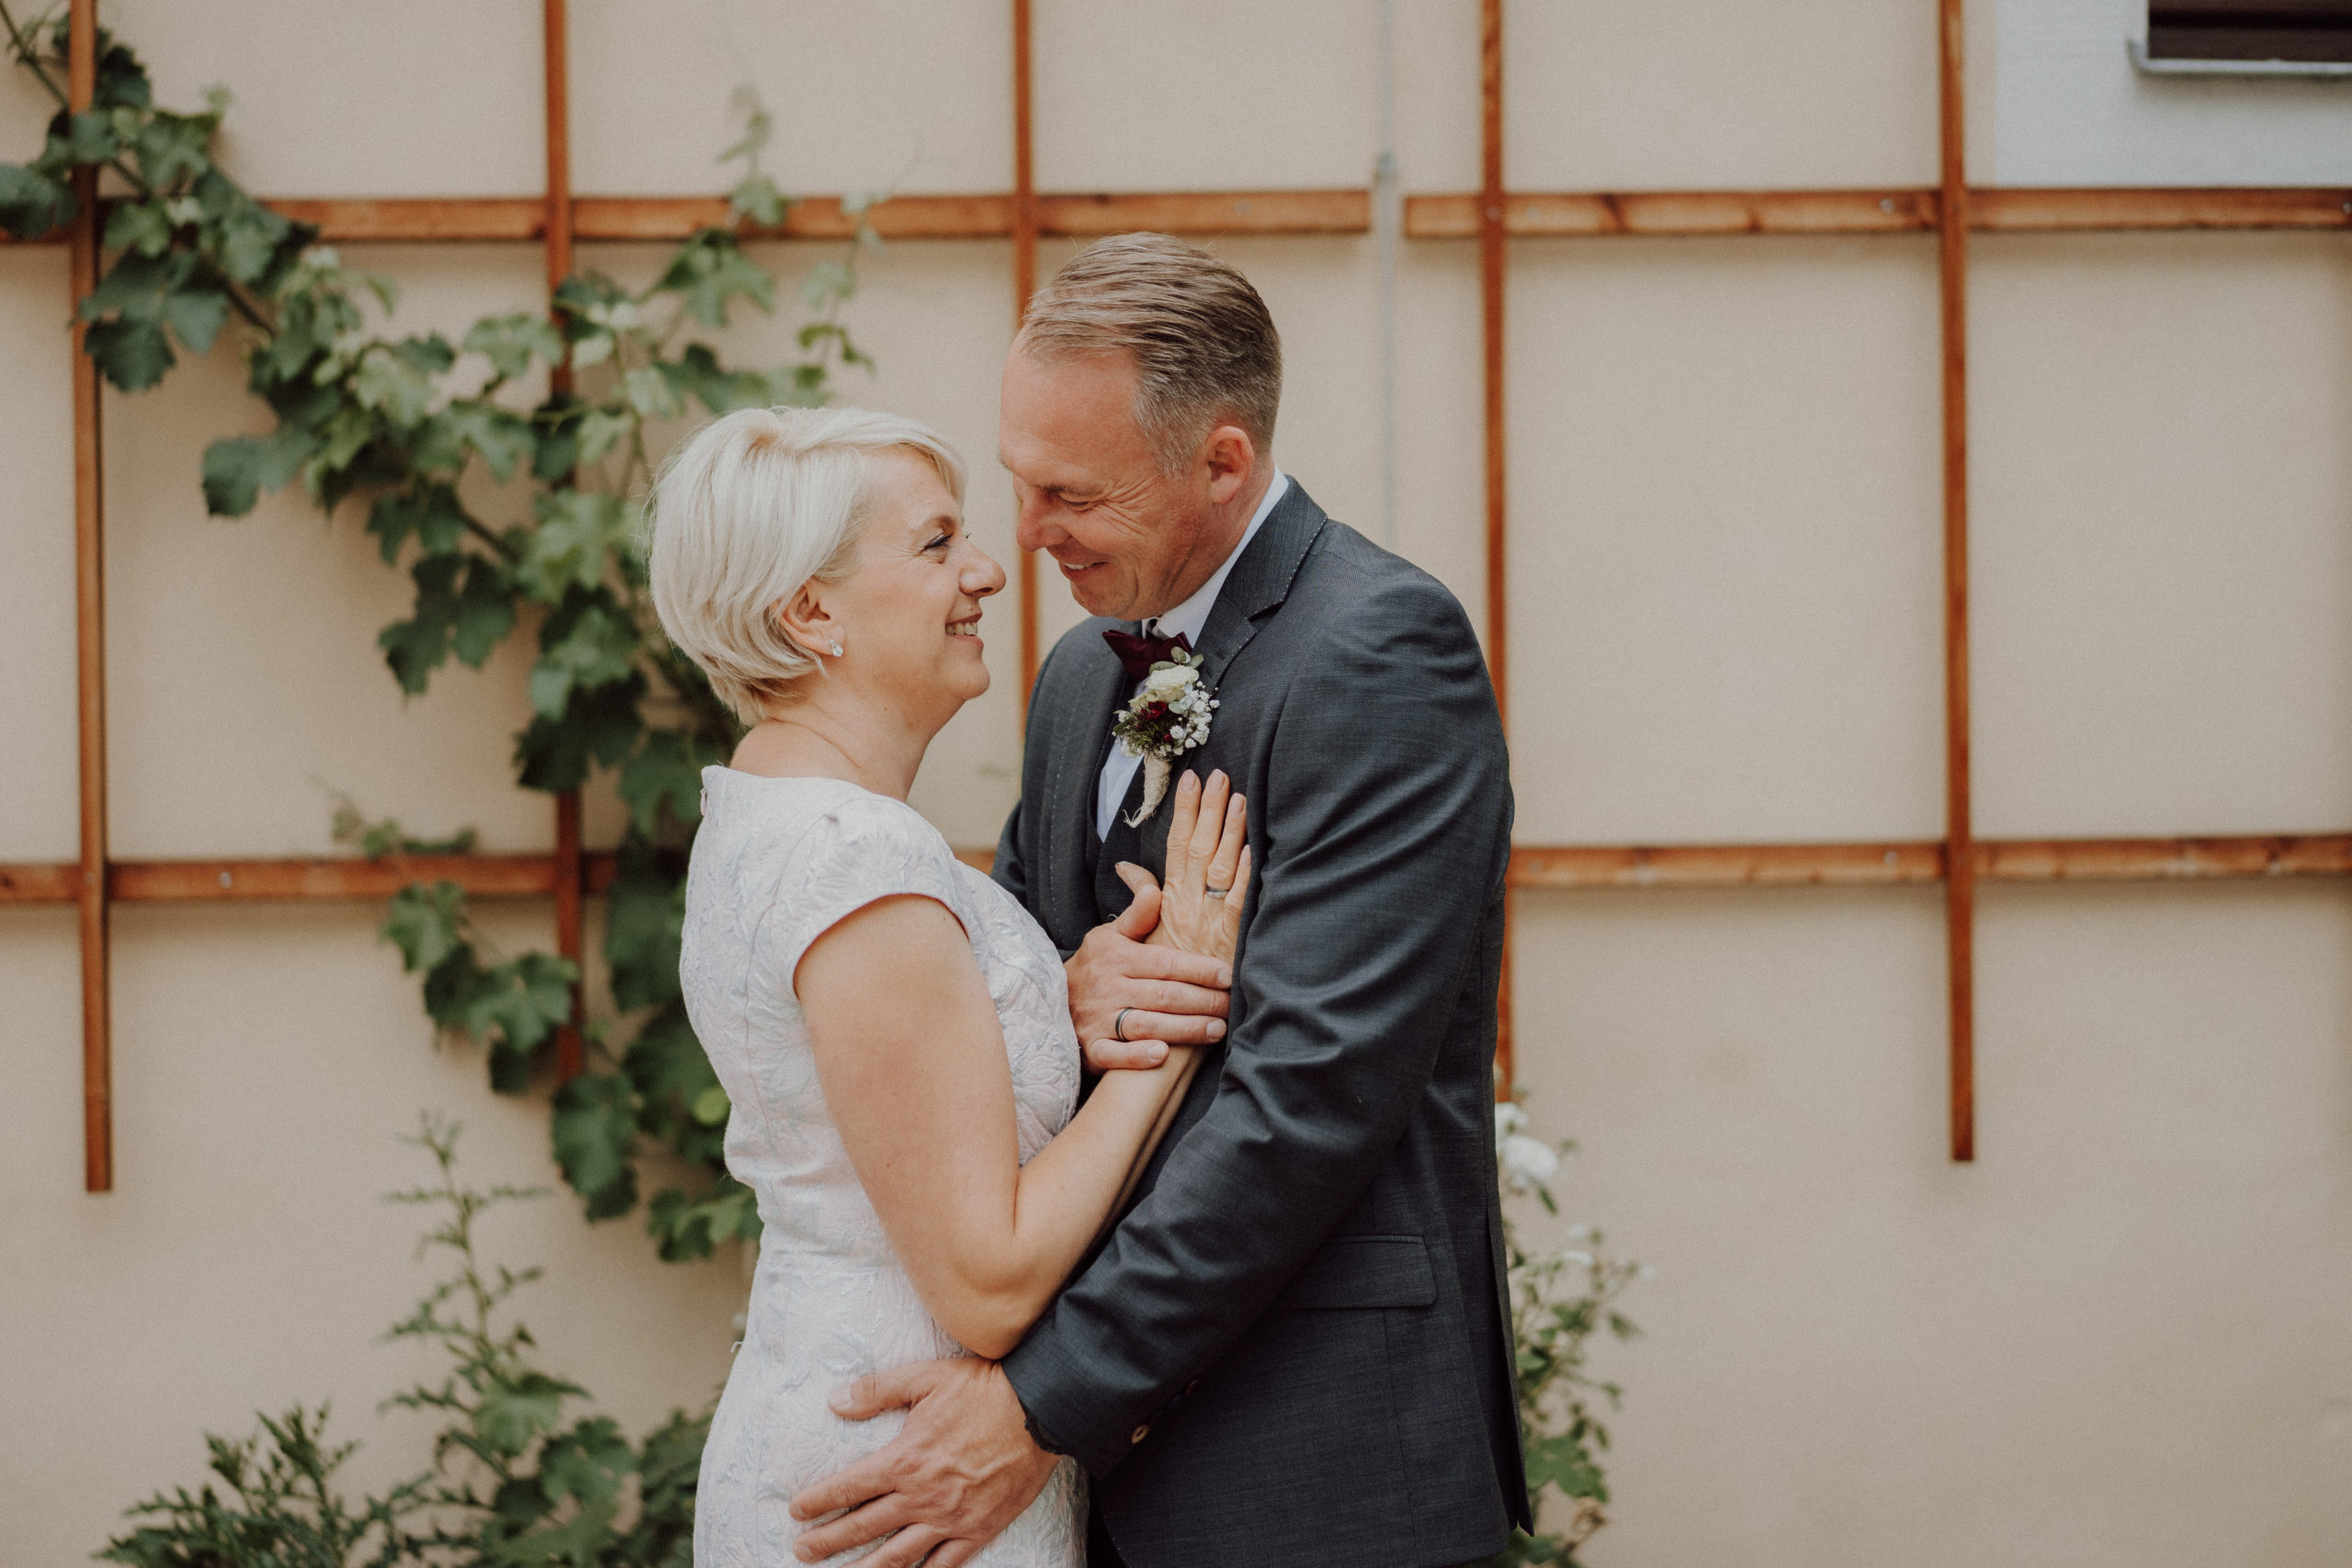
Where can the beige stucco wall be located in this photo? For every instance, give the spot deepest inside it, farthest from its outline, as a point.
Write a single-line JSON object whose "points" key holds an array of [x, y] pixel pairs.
{"points": [[2120, 1339]]}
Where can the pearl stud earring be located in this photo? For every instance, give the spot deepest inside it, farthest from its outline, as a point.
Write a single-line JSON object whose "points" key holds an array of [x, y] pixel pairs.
{"points": [[837, 648]]}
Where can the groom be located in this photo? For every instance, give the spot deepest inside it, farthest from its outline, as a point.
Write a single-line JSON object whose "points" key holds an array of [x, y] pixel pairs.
{"points": [[1293, 1349]]}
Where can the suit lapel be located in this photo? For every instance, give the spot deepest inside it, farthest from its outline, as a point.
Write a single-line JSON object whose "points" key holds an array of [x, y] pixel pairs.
{"points": [[1083, 741], [1259, 582], [1079, 876]]}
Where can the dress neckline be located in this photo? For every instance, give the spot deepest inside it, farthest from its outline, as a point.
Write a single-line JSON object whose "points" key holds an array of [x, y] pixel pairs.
{"points": [[726, 771]]}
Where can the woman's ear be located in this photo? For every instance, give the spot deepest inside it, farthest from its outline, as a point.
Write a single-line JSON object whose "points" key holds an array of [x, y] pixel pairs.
{"points": [[805, 619]]}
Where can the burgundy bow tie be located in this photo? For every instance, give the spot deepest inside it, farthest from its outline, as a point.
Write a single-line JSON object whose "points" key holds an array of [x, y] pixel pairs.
{"points": [[1138, 654]]}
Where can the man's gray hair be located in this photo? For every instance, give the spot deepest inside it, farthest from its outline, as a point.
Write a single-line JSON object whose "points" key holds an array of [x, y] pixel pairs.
{"points": [[1204, 347]]}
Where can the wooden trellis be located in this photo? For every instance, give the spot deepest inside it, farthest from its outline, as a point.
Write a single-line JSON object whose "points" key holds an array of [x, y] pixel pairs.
{"points": [[1494, 216]]}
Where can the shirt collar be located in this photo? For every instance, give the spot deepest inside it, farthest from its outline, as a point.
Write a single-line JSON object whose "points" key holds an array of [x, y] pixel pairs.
{"points": [[1190, 618]]}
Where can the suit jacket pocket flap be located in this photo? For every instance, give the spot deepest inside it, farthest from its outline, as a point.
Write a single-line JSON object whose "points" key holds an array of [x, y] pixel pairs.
{"points": [[1364, 1272]]}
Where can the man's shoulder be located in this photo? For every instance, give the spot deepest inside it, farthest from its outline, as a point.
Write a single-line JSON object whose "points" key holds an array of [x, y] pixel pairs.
{"points": [[1351, 587]]}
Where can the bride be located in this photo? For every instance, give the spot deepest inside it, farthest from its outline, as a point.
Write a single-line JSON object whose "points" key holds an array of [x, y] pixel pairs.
{"points": [[892, 1028]]}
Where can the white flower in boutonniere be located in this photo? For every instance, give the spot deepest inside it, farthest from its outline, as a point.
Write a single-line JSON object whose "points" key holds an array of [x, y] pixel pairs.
{"points": [[1167, 718]]}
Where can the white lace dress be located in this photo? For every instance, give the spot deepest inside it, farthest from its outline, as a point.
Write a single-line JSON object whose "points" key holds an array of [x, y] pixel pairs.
{"points": [[777, 862]]}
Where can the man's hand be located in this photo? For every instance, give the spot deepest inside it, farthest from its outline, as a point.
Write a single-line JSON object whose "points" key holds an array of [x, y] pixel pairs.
{"points": [[962, 1469], [1174, 996]]}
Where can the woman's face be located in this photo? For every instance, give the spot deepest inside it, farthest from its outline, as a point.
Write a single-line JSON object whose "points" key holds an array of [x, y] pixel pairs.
{"points": [[909, 614]]}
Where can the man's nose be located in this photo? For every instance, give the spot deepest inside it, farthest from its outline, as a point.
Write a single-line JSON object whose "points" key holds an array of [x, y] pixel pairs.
{"points": [[1033, 528]]}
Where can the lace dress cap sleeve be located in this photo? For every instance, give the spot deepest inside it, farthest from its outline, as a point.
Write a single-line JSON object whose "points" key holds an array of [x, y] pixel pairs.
{"points": [[858, 852]]}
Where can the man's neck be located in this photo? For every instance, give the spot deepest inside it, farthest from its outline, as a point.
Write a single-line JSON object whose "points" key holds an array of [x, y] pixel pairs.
{"points": [[1231, 524]]}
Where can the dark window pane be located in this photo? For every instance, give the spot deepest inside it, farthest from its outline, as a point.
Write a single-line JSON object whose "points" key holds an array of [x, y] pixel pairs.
{"points": [[2250, 29]]}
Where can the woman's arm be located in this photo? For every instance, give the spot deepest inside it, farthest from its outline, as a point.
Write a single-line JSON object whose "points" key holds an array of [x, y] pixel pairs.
{"points": [[912, 1064]]}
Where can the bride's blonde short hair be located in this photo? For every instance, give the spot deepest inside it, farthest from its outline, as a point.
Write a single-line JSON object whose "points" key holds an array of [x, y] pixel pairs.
{"points": [[753, 506]]}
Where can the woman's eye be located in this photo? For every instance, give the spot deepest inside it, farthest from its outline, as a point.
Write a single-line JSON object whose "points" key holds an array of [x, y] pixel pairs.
{"points": [[941, 543]]}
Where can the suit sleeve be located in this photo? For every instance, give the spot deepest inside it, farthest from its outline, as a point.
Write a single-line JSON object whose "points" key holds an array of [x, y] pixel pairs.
{"points": [[1385, 824]]}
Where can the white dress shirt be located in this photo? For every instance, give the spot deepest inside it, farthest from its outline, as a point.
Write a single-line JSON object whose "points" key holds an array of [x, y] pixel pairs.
{"points": [[1186, 620]]}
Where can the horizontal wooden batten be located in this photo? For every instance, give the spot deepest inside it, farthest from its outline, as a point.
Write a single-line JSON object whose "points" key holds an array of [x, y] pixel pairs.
{"points": [[1532, 866], [827, 217], [1922, 861], [1527, 215], [1570, 214], [2017, 210], [1725, 865]]}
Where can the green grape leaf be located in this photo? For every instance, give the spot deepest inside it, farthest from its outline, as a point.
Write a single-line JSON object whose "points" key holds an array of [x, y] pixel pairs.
{"points": [[553, 754], [239, 468], [697, 373], [485, 611], [688, 1227], [667, 1064], [91, 136], [171, 147], [666, 771], [588, 1462], [392, 383], [594, 1134], [581, 648], [196, 316], [755, 198], [418, 646], [33, 204], [644, 926], [525, 1001], [578, 531], [511, 342], [648, 393], [426, 923], [709, 272], [141, 226], [133, 354], [601, 430], [432, 512], [518, 1406]]}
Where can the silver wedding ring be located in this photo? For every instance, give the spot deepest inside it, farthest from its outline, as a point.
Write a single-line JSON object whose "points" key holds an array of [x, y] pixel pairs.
{"points": [[1119, 1024], [1215, 891]]}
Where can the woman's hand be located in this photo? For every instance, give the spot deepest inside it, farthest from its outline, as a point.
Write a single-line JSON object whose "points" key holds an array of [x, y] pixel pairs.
{"points": [[1207, 893]]}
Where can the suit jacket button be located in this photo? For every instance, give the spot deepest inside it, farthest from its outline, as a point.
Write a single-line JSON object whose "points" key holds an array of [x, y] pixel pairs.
{"points": [[1139, 1434]]}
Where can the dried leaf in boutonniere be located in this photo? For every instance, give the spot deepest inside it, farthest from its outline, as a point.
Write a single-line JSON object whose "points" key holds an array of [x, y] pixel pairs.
{"points": [[1165, 719]]}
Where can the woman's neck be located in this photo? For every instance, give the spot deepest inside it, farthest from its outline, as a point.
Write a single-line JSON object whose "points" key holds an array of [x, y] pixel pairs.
{"points": [[832, 734]]}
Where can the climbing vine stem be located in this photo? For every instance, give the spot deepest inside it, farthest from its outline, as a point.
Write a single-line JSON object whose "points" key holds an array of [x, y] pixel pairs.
{"points": [[511, 502]]}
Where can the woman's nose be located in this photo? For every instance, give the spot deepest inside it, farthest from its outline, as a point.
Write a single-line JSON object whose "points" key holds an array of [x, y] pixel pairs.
{"points": [[984, 576]]}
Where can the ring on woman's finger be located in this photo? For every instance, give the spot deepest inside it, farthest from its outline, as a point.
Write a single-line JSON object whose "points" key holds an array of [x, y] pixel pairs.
{"points": [[1119, 1024], [1215, 891]]}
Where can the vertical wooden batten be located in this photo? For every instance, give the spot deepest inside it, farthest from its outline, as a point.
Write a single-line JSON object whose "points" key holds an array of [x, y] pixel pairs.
{"points": [[1492, 243], [89, 592], [570, 1052], [1959, 859], [1025, 284]]}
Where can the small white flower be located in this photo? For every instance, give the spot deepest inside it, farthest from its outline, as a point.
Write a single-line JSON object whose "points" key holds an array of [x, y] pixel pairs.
{"points": [[1529, 1162], [1580, 1234], [1508, 1119], [1581, 1260]]}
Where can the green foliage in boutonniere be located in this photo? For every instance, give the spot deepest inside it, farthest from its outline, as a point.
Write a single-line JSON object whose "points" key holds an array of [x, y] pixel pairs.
{"points": [[1167, 718]]}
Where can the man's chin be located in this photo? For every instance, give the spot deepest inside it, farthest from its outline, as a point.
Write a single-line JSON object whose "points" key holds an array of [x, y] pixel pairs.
{"points": [[1103, 599]]}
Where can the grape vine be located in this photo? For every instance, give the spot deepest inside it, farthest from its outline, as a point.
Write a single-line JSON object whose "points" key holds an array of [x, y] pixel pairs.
{"points": [[394, 426]]}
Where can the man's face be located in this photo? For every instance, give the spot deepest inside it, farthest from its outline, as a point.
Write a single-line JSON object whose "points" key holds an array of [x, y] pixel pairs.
{"points": [[1129, 539]]}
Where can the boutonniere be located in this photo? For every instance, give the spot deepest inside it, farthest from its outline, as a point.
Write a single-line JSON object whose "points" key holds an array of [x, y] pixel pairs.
{"points": [[1167, 718]]}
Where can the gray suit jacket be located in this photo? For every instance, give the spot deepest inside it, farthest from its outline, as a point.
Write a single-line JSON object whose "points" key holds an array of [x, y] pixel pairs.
{"points": [[1293, 1348]]}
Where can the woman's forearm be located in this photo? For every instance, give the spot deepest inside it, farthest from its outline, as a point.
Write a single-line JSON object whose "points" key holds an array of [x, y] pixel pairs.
{"points": [[1064, 1199]]}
